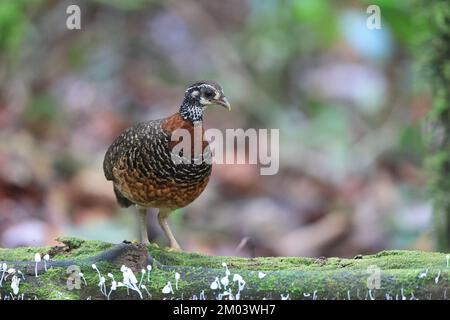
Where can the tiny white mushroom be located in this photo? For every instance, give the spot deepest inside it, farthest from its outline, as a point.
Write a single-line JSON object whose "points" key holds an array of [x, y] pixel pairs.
{"points": [[132, 277], [81, 274], [10, 271], [167, 288], [149, 268], [225, 281], [102, 286], [261, 274], [142, 277], [423, 274], [126, 280], [46, 259], [21, 273], [214, 285], [94, 266], [113, 287], [237, 277], [4, 268], [217, 284], [241, 284], [15, 284], [436, 280], [145, 288], [130, 280], [37, 259], [177, 277], [227, 272]]}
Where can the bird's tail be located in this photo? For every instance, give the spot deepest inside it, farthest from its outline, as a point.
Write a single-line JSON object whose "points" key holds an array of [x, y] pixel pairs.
{"points": [[121, 200]]}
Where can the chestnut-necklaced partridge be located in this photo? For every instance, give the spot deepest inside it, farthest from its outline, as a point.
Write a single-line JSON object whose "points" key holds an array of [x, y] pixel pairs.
{"points": [[147, 171]]}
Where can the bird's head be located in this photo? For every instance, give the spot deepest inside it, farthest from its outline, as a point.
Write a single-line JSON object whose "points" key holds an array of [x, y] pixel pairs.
{"points": [[200, 95], [205, 93]]}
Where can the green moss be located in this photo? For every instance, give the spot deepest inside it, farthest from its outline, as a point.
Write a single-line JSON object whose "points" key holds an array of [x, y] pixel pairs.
{"points": [[21, 254], [194, 259], [80, 249], [75, 249], [434, 60], [391, 260], [51, 286], [299, 277]]}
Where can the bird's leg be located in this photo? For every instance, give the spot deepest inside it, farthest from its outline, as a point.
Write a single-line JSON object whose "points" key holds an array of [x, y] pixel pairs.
{"points": [[163, 214], [143, 225]]}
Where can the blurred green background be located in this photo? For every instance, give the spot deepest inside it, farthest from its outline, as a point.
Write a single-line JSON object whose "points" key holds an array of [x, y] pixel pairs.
{"points": [[347, 101]]}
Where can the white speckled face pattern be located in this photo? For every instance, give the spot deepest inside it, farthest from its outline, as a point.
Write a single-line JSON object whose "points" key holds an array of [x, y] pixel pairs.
{"points": [[193, 113]]}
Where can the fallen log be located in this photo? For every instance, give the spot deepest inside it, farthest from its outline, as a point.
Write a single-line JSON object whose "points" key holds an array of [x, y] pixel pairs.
{"points": [[81, 269]]}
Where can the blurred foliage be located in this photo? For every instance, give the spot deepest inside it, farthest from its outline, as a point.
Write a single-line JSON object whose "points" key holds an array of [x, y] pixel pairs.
{"points": [[127, 5], [434, 26], [14, 21], [399, 15], [42, 110]]}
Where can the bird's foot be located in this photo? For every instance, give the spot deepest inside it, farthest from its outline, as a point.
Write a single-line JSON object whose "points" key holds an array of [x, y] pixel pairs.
{"points": [[142, 241], [175, 248]]}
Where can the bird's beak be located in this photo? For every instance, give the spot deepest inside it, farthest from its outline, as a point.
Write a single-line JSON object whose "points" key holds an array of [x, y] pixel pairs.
{"points": [[223, 101]]}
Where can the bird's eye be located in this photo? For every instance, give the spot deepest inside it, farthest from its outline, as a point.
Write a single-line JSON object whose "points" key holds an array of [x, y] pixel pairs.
{"points": [[208, 93]]}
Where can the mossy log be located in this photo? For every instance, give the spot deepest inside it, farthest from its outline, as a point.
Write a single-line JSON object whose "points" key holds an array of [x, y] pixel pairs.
{"points": [[433, 24], [401, 274]]}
